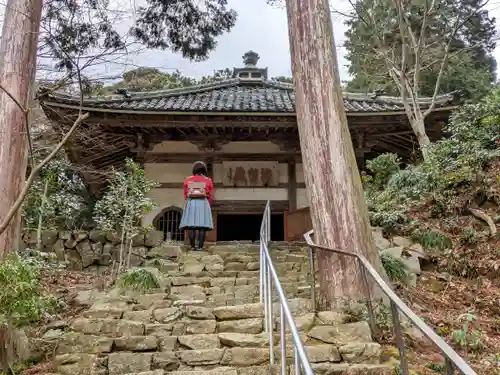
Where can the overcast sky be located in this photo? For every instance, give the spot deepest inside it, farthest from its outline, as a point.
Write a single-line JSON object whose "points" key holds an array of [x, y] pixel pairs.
{"points": [[259, 27]]}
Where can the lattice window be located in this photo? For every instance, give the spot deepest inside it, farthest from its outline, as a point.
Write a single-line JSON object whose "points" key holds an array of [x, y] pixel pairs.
{"points": [[168, 222]]}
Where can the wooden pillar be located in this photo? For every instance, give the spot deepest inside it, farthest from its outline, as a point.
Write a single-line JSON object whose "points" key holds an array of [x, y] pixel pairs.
{"points": [[292, 185], [285, 226], [212, 235], [209, 161], [360, 159], [140, 150]]}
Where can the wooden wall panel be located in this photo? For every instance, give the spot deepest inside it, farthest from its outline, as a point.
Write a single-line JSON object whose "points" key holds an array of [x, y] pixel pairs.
{"points": [[298, 222]]}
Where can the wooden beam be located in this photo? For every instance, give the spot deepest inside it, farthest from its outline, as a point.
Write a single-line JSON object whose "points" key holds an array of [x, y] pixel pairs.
{"points": [[219, 185], [292, 185], [158, 157], [248, 206], [392, 148]]}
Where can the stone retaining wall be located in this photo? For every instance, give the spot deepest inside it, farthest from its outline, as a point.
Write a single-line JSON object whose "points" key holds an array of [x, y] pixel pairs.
{"points": [[82, 249]]}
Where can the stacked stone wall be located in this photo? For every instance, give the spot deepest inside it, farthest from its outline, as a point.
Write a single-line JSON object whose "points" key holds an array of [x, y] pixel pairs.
{"points": [[84, 249]]}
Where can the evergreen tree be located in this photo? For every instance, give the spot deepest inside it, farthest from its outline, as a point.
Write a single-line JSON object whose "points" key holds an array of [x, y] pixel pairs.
{"points": [[373, 30]]}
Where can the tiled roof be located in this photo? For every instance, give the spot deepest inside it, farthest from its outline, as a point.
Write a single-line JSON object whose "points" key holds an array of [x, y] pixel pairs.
{"points": [[233, 95]]}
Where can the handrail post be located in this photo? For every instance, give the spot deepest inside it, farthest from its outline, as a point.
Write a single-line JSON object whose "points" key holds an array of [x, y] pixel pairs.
{"points": [[283, 340], [268, 279], [311, 253], [270, 320], [261, 272], [453, 360], [369, 306], [398, 333]]}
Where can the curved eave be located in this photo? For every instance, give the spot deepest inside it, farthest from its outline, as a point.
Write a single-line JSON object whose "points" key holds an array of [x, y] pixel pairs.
{"points": [[130, 111]]}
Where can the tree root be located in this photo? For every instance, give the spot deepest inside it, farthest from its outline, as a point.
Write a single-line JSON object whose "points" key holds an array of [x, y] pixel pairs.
{"points": [[486, 218]]}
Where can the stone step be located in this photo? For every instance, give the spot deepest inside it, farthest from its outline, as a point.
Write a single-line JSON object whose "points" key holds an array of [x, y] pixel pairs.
{"points": [[318, 368], [285, 270], [231, 258], [223, 277], [227, 283], [129, 338], [244, 255]]}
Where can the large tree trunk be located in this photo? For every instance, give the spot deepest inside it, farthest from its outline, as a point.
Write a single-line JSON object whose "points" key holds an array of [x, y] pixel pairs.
{"points": [[338, 209], [17, 73], [418, 126]]}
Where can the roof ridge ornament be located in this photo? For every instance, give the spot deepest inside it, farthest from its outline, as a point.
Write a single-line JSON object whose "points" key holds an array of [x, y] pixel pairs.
{"points": [[250, 59]]}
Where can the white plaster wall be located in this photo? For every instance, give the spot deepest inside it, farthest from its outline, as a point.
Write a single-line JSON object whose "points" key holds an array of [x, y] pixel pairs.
{"points": [[218, 170], [176, 146], [260, 194], [299, 172], [283, 170], [164, 198], [302, 199], [251, 148], [167, 172]]}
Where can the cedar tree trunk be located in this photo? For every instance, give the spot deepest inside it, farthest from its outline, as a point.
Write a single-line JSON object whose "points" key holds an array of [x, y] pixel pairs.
{"points": [[18, 48], [338, 209]]}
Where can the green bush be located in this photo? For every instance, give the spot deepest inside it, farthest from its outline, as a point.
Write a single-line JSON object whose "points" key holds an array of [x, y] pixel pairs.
{"points": [[22, 300], [395, 268], [432, 240], [138, 279], [473, 141]]}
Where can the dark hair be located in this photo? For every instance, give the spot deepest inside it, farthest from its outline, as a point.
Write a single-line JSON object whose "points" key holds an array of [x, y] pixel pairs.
{"points": [[199, 168]]}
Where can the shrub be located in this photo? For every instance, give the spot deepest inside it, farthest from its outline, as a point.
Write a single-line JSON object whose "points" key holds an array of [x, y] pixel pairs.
{"points": [[395, 268], [139, 279], [123, 205], [21, 296], [467, 336], [432, 240], [473, 142]]}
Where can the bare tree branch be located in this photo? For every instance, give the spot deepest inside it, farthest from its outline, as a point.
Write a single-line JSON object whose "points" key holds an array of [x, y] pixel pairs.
{"points": [[34, 173]]}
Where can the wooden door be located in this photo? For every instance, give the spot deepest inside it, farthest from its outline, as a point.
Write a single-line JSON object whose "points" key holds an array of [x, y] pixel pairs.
{"points": [[298, 222], [212, 235]]}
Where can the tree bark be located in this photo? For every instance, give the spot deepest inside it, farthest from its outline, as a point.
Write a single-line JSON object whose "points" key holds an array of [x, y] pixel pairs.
{"points": [[17, 73], [418, 126], [338, 209]]}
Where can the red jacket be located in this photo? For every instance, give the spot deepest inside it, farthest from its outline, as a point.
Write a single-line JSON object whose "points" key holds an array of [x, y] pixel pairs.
{"points": [[209, 187]]}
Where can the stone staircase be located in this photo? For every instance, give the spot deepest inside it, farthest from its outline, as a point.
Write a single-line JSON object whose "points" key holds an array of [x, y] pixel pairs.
{"points": [[208, 322]]}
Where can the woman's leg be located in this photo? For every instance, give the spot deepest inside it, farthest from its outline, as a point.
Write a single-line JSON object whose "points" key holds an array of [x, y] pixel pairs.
{"points": [[191, 236], [201, 238]]}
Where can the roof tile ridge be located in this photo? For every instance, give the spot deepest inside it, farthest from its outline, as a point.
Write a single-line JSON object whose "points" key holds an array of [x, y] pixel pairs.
{"points": [[138, 95], [278, 84]]}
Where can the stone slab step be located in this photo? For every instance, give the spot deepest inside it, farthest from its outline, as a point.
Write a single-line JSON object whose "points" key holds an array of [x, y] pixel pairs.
{"points": [[241, 278], [211, 268], [202, 271], [97, 333], [119, 363], [318, 368], [231, 362]]}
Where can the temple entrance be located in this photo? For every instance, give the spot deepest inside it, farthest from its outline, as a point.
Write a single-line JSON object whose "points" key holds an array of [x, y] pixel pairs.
{"points": [[246, 227]]}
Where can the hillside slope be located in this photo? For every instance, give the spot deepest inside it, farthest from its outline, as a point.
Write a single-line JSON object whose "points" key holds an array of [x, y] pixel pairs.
{"points": [[450, 204]]}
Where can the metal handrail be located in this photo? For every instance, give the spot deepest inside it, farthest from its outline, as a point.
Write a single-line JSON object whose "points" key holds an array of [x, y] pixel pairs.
{"points": [[452, 359], [268, 278]]}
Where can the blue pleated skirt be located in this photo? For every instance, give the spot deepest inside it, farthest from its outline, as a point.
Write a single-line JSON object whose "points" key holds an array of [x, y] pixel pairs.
{"points": [[197, 215]]}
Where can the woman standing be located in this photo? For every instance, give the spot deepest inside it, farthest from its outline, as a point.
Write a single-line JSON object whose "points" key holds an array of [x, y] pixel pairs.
{"points": [[197, 215]]}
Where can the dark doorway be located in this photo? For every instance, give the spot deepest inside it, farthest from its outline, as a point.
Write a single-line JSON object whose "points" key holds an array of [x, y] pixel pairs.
{"points": [[246, 227]]}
